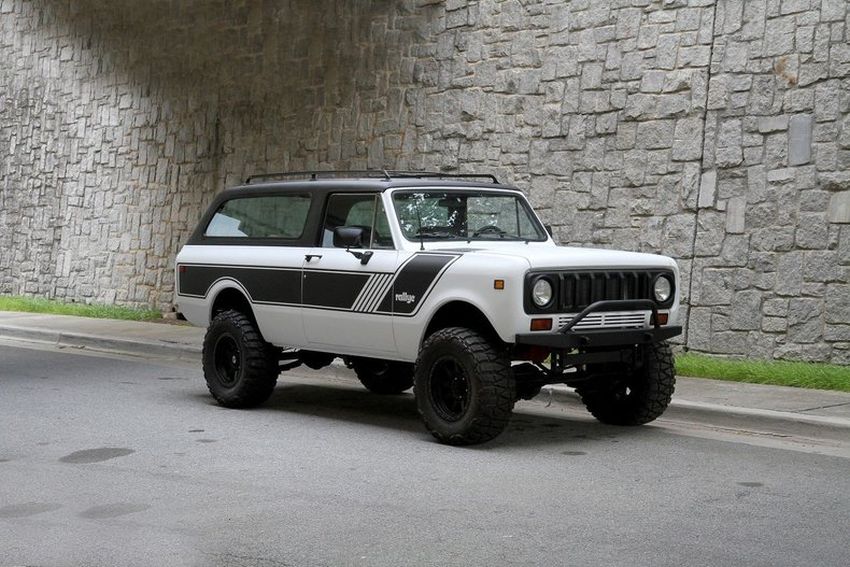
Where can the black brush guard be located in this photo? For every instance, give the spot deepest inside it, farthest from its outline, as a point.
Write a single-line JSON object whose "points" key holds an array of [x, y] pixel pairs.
{"points": [[573, 349], [568, 338]]}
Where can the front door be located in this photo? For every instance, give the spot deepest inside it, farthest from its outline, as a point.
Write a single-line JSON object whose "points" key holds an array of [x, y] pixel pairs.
{"points": [[345, 301]]}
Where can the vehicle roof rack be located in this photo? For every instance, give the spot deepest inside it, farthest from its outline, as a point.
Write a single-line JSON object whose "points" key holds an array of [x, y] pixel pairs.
{"points": [[437, 174], [387, 175], [314, 175]]}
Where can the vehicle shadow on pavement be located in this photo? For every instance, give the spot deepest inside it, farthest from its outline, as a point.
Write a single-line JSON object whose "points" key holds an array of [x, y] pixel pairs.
{"points": [[528, 426]]}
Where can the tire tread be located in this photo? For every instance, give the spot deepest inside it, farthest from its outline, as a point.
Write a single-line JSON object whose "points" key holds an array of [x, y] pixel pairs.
{"points": [[260, 369], [498, 389], [647, 405]]}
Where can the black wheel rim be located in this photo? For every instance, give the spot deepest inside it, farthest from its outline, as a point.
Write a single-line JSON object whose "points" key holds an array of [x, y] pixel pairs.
{"points": [[228, 360], [450, 389]]}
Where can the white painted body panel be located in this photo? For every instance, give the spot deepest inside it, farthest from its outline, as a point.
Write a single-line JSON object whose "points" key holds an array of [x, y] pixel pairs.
{"points": [[351, 332]]}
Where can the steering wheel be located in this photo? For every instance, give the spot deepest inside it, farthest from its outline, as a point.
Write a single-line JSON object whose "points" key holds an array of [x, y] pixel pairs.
{"points": [[489, 229]]}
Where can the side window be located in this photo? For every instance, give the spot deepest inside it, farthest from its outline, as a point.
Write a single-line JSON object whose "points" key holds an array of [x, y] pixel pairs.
{"points": [[381, 236], [275, 216], [363, 211]]}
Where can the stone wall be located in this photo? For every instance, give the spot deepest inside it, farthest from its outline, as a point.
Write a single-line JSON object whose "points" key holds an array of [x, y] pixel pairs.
{"points": [[713, 131]]}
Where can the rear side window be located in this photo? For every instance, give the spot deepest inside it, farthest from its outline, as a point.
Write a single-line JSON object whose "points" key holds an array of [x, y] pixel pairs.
{"points": [[274, 216]]}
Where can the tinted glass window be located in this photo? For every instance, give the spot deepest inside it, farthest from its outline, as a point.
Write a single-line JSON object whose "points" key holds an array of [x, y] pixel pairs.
{"points": [[275, 216], [363, 211]]}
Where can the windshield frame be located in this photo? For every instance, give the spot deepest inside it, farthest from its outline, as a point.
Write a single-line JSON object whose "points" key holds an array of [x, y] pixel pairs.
{"points": [[542, 235]]}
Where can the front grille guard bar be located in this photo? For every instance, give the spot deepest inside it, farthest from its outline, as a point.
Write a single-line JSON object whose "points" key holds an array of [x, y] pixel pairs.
{"points": [[614, 305]]}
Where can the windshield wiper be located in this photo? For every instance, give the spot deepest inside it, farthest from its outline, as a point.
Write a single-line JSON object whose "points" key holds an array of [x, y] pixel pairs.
{"points": [[432, 232], [495, 237]]}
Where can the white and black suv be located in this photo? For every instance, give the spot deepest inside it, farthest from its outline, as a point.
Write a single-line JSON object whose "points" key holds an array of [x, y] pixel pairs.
{"points": [[438, 282]]}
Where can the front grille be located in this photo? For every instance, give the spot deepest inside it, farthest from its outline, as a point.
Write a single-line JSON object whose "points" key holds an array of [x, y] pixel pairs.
{"points": [[580, 289], [619, 320], [574, 290]]}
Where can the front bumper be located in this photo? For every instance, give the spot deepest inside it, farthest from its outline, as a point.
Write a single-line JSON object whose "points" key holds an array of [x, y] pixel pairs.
{"points": [[567, 338]]}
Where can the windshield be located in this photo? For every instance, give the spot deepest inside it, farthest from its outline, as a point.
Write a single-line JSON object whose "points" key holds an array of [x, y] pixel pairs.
{"points": [[439, 214]]}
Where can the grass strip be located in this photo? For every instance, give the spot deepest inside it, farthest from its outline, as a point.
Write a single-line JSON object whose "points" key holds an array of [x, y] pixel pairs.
{"points": [[54, 307], [777, 372]]}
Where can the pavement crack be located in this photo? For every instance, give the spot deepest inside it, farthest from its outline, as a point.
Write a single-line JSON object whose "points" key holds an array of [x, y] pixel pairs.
{"points": [[827, 406], [254, 560]]}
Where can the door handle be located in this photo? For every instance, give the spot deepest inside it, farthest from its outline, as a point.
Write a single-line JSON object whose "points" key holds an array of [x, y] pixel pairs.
{"points": [[308, 257]]}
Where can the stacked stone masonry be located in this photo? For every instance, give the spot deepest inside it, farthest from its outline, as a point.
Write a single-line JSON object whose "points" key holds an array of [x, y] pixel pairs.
{"points": [[714, 131]]}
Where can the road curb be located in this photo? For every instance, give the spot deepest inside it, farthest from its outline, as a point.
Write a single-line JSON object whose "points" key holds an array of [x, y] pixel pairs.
{"points": [[776, 422], [135, 347]]}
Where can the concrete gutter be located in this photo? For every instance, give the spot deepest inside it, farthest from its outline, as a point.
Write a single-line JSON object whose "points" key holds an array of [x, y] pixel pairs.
{"points": [[132, 338], [98, 343]]}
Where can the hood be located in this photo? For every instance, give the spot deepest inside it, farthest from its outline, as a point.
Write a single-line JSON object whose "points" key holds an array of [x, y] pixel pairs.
{"points": [[568, 257]]}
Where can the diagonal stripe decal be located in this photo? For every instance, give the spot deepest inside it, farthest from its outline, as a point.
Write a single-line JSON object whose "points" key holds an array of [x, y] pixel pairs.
{"points": [[358, 303], [381, 291], [370, 293]]}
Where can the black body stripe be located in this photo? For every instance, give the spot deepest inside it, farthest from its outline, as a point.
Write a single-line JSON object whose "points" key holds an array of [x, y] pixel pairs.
{"points": [[335, 290], [264, 285], [373, 292]]}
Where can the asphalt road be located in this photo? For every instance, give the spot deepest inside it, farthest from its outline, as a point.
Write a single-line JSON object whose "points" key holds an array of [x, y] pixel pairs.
{"points": [[109, 461]]}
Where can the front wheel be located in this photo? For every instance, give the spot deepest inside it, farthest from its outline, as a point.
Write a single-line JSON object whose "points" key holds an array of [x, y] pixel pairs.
{"points": [[640, 395], [383, 376], [464, 387], [240, 368]]}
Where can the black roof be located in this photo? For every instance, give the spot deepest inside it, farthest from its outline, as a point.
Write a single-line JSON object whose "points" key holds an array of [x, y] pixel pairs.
{"points": [[321, 183]]}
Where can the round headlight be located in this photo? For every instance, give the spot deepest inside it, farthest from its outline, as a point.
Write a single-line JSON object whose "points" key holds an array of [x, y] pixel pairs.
{"points": [[662, 289], [541, 293]]}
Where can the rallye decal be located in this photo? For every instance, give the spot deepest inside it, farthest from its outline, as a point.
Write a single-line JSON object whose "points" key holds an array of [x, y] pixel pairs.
{"points": [[401, 292], [413, 282]]}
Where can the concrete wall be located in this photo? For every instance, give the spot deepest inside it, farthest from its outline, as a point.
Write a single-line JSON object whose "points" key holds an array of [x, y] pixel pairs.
{"points": [[713, 131]]}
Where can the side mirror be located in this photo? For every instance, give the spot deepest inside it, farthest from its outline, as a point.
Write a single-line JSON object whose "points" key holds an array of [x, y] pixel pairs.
{"points": [[348, 237], [353, 237]]}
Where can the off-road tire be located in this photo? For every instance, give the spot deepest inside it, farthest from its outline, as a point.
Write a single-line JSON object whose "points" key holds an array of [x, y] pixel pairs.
{"points": [[383, 376], [642, 397], [461, 357], [240, 368]]}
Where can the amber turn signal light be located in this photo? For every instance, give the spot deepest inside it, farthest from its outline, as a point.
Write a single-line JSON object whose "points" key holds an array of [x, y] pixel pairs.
{"points": [[541, 324], [662, 318], [498, 284]]}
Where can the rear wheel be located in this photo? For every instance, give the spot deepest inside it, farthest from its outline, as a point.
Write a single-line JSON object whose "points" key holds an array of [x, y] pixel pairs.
{"points": [[640, 395], [464, 387], [240, 368], [383, 376]]}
